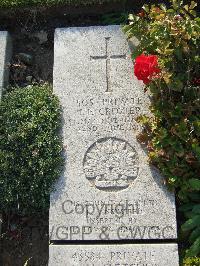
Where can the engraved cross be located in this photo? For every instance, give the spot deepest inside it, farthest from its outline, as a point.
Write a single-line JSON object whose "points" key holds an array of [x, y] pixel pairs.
{"points": [[108, 57]]}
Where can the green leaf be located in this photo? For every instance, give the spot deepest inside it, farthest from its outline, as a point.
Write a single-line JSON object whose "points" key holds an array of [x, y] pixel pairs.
{"points": [[146, 8], [191, 223], [126, 28], [186, 207], [195, 196], [176, 84], [196, 150], [170, 10], [163, 7], [196, 209], [194, 183], [189, 214], [193, 5], [179, 53], [193, 13], [194, 235], [195, 249], [186, 7]]}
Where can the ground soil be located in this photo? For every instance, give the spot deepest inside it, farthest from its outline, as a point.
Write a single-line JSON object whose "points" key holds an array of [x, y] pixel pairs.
{"points": [[25, 241], [33, 35]]}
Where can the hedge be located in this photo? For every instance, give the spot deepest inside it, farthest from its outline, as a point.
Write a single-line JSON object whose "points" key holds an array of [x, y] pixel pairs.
{"points": [[30, 148]]}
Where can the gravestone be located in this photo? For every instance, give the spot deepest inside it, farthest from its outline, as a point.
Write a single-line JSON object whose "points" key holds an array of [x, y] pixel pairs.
{"points": [[5, 57], [108, 190]]}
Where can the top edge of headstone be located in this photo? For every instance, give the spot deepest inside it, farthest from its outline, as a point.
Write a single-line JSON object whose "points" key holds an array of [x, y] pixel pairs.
{"points": [[82, 28], [4, 32], [89, 27]]}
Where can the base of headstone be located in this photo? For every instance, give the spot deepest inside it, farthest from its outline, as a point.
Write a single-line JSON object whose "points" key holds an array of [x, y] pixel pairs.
{"points": [[5, 57], [114, 255]]}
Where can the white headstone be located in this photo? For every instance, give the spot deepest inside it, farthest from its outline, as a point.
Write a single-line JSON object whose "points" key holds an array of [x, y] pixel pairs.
{"points": [[108, 190], [107, 181]]}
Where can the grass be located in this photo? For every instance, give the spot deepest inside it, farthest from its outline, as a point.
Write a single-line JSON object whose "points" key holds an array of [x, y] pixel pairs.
{"points": [[26, 3]]}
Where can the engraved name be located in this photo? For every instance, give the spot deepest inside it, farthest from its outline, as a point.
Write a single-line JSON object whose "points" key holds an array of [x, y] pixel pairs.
{"points": [[113, 113]]}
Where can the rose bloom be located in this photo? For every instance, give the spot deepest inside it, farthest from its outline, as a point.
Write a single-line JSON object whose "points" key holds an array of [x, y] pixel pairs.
{"points": [[146, 67]]}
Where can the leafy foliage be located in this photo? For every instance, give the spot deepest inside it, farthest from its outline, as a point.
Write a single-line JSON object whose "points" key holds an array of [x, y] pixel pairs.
{"points": [[192, 213], [191, 262], [30, 148], [172, 134]]}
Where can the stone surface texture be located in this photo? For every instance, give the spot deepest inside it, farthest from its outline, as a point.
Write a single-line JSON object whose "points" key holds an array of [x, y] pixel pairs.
{"points": [[108, 190], [5, 57], [114, 255]]}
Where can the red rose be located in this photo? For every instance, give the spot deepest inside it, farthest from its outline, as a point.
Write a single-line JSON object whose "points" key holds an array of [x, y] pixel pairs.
{"points": [[146, 66]]}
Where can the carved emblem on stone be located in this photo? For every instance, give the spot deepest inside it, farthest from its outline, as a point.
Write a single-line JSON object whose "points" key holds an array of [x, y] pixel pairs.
{"points": [[111, 164]]}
